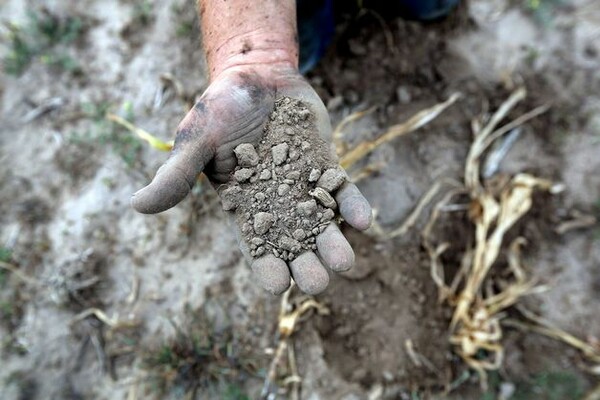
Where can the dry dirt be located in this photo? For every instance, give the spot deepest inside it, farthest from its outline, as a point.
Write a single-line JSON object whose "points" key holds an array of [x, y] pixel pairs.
{"points": [[66, 223], [282, 190]]}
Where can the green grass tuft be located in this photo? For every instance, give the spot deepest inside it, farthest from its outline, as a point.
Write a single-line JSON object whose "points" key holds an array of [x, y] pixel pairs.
{"points": [[199, 359], [39, 39], [108, 133]]}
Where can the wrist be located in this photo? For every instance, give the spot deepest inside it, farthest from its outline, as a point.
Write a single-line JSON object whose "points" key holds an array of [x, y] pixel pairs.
{"points": [[239, 34], [254, 50]]}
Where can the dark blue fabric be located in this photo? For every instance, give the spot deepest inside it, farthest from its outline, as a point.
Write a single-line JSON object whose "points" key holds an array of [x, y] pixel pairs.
{"points": [[316, 25], [316, 22], [426, 10]]}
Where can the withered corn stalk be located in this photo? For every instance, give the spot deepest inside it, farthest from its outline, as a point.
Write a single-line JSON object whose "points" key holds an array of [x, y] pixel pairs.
{"points": [[475, 329]]}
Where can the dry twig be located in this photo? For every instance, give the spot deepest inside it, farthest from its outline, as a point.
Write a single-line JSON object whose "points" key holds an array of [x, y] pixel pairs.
{"points": [[113, 322], [349, 158], [289, 316]]}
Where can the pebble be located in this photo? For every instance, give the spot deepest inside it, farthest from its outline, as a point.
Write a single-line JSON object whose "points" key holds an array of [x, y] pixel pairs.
{"points": [[403, 95], [263, 222], [280, 153], [303, 114], [246, 155], [283, 189], [305, 145], [294, 155], [335, 102], [299, 234], [307, 208], [293, 175], [257, 241], [288, 131], [331, 179], [230, 198], [243, 174], [315, 231], [260, 196], [288, 181], [259, 251], [287, 167], [314, 175], [265, 175], [289, 244], [323, 197], [328, 214]]}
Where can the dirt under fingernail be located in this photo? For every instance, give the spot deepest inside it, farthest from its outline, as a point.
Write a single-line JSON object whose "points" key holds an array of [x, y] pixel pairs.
{"points": [[282, 190]]}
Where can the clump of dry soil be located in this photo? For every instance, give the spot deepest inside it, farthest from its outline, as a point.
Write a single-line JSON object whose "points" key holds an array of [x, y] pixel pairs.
{"points": [[282, 189]]}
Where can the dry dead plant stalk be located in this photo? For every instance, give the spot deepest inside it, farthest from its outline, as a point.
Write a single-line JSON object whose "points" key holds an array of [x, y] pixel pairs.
{"points": [[478, 302], [142, 134], [113, 323], [350, 157], [19, 274], [290, 313]]}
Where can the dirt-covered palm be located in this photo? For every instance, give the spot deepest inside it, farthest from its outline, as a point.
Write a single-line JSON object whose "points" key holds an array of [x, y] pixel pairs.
{"points": [[234, 110]]}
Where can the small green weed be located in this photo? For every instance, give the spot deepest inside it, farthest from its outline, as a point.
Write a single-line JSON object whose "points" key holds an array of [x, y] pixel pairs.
{"points": [[199, 358], [542, 10], [7, 310], [184, 29], [39, 38], [108, 133], [551, 386], [5, 256], [27, 387], [542, 386], [142, 12], [187, 23]]}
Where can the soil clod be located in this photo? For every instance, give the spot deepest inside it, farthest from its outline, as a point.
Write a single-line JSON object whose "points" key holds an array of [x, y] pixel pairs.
{"points": [[246, 155], [331, 179], [280, 153], [314, 176], [243, 174], [262, 222]]}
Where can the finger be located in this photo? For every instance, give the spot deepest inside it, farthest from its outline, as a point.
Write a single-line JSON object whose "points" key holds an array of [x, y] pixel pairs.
{"points": [[271, 273], [309, 274], [334, 250], [354, 207], [175, 179]]}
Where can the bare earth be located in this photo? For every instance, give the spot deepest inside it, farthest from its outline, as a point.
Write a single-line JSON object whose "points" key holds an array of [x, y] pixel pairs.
{"points": [[67, 227]]}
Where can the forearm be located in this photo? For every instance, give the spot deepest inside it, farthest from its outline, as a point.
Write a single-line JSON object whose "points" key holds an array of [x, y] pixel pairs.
{"points": [[245, 32]]}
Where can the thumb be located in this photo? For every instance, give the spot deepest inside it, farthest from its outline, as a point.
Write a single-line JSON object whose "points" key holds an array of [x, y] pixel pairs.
{"points": [[177, 176]]}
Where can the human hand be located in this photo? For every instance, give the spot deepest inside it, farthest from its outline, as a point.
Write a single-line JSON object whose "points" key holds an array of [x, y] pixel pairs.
{"points": [[234, 110]]}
